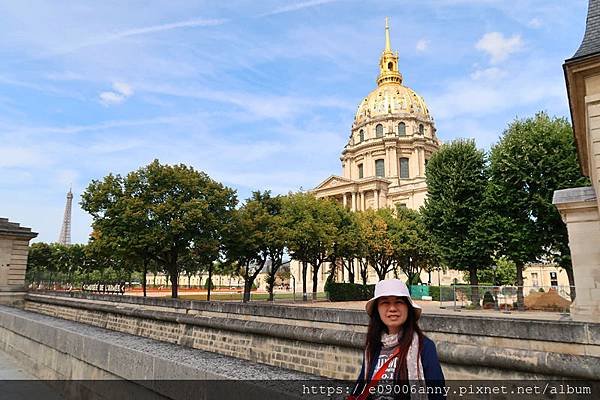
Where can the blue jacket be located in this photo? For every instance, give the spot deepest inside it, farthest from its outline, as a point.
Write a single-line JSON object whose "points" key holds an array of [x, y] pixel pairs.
{"points": [[431, 369]]}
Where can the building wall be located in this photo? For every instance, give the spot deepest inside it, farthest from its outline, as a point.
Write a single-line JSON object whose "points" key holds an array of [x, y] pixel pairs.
{"points": [[13, 262]]}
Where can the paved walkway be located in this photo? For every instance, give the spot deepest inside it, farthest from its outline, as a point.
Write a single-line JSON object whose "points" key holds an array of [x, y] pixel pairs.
{"points": [[18, 384]]}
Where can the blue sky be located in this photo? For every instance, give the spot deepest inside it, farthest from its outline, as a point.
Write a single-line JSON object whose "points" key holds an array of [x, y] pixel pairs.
{"points": [[258, 94]]}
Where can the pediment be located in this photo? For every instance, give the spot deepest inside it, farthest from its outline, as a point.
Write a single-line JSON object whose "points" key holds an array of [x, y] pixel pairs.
{"points": [[333, 181]]}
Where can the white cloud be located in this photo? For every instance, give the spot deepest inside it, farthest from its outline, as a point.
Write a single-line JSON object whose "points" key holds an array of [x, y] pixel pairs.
{"points": [[535, 23], [422, 45], [498, 46], [492, 73], [298, 6], [110, 37], [121, 92]]}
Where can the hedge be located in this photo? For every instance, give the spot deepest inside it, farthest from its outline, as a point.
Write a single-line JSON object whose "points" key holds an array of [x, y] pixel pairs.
{"points": [[349, 291]]}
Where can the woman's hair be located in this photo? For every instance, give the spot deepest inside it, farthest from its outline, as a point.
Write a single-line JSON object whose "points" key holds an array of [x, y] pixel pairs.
{"points": [[409, 328]]}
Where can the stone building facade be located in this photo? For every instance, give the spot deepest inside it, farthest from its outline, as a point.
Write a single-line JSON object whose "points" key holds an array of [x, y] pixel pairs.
{"points": [[580, 207], [392, 137], [14, 248]]}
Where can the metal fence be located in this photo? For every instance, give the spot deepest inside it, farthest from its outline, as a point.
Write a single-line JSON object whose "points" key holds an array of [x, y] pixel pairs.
{"points": [[504, 298]]}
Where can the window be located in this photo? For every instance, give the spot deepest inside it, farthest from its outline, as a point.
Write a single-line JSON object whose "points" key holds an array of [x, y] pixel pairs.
{"points": [[553, 279], [534, 279], [403, 205], [379, 131], [421, 129], [379, 168], [401, 129], [361, 136], [404, 168], [360, 171], [390, 66]]}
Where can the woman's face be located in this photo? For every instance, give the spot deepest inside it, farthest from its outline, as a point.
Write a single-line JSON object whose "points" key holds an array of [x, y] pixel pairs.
{"points": [[393, 311]]}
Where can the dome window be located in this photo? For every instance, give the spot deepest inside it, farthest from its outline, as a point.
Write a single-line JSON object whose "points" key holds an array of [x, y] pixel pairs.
{"points": [[379, 131], [380, 168], [401, 129], [421, 129], [390, 66], [404, 168], [360, 171], [361, 136]]}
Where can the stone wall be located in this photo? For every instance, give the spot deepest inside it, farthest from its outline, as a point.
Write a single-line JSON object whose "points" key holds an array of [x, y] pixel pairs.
{"points": [[85, 362], [329, 342]]}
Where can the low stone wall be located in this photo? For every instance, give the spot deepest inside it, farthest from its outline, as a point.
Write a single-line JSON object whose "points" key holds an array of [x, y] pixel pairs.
{"points": [[83, 361], [329, 342]]}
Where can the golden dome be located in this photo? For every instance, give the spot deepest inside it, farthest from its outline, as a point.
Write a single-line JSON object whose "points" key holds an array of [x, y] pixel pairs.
{"points": [[390, 96], [391, 99]]}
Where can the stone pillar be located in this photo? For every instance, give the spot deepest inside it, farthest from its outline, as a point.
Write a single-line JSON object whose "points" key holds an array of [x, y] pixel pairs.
{"points": [[376, 192], [354, 201], [344, 199], [14, 249], [362, 201], [579, 210]]}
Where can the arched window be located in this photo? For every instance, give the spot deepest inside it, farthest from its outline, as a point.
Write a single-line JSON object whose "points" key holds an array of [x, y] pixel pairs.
{"points": [[390, 66], [421, 129], [360, 171], [404, 168], [401, 129], [379, 131], [380, 168], [361, 136]]}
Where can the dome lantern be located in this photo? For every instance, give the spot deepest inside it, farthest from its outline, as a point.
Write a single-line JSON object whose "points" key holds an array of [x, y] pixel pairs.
{"points": [[388, 63]]}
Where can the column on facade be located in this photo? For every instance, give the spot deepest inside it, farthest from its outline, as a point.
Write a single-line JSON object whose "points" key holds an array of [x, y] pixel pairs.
{"points": [[354, 201], [376, 192], [393, 161], [344, 199], [421, 153], [363, 201]]}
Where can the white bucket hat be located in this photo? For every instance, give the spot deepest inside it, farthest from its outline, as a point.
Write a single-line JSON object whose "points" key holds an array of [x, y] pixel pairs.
{"points": [[392, 287]]}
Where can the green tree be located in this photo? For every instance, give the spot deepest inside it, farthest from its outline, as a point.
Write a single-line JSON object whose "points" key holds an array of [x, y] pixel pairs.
{"points": [[311, 229], [246, 240], [503, 272], [456, 210], [167, 208], [534, 157], [418, 252], [39, 262]]}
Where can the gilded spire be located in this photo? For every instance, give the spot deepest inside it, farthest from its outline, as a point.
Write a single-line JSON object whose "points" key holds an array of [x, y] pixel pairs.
{"points": [[388, 63], [388, 46]]}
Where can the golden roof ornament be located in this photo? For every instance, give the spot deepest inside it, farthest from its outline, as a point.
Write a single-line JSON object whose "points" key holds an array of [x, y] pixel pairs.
{"points": [[388, 63]]}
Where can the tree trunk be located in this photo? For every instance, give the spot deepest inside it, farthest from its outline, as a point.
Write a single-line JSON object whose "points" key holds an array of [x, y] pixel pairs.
{"points": [[210, 268], [144, 273], [315, 279], [474, 280], [364, 271], [174, 284], [351, 270], [247, 289], [304, 271], [520, 299], [271, 284]]}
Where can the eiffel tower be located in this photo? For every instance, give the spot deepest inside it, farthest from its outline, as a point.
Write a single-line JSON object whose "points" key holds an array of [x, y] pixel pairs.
{"points": [[65, 231]]}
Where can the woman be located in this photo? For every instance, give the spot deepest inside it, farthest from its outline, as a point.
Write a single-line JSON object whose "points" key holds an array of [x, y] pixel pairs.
{"points": [[396, 349]]}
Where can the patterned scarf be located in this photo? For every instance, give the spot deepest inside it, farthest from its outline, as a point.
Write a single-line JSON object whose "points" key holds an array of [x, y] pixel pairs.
{"points": [[413, 361]]}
